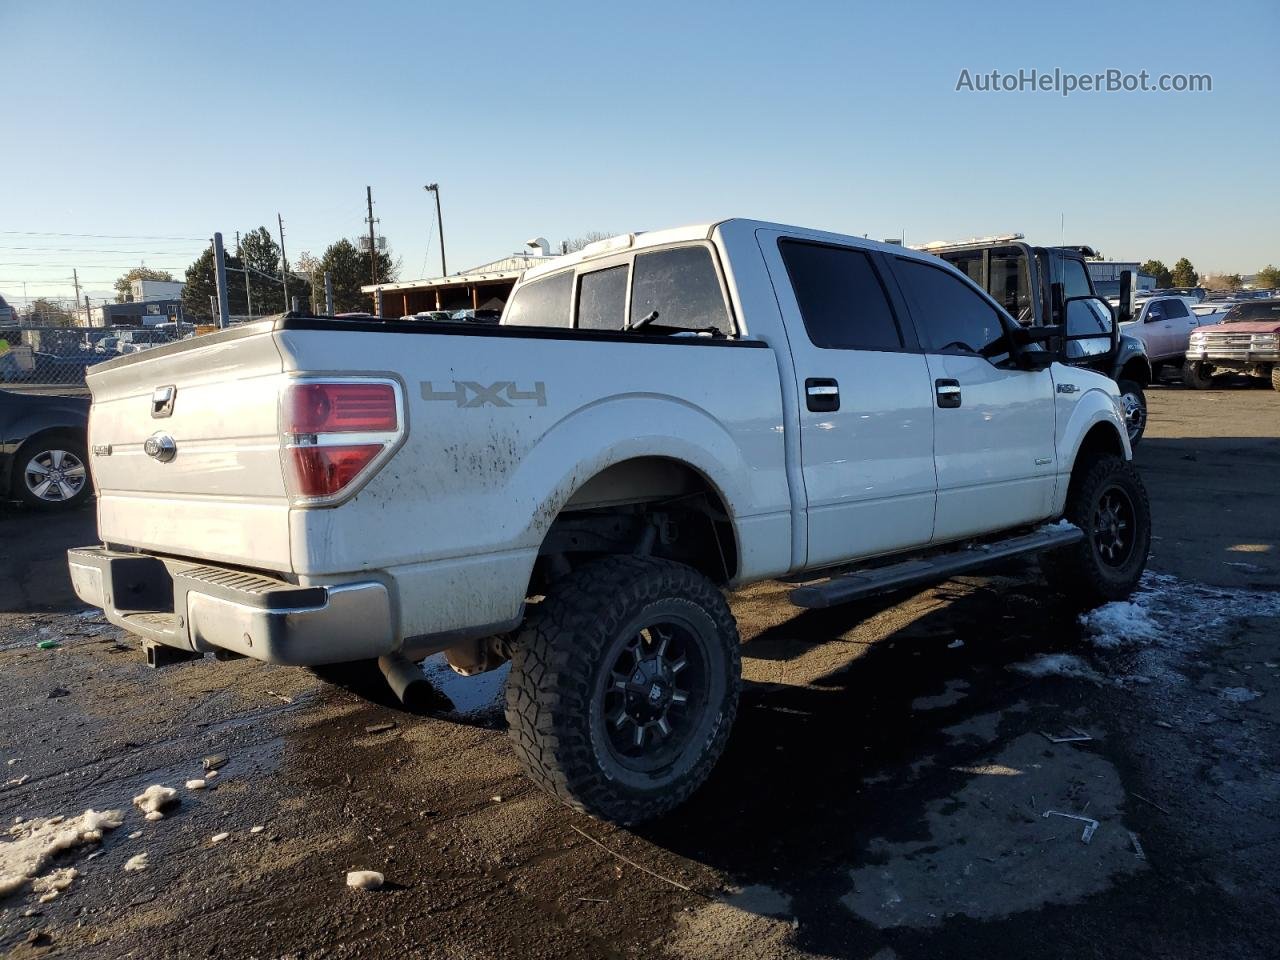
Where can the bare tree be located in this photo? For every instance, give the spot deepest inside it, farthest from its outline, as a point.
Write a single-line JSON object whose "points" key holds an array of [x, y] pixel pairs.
{"points": [[577, 243]]}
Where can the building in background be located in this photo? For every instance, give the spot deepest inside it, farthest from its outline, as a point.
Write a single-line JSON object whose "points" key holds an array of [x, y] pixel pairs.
{"points": [[142, 290], [485, 287], [1105, 275], [146, 313]]}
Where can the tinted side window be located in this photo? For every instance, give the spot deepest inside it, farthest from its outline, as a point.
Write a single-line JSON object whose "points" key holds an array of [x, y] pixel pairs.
{"points": [[602, 299], [682, 285], [1075, 281], [951, 316], [842, 300], [541, 303], [1175, 309]]}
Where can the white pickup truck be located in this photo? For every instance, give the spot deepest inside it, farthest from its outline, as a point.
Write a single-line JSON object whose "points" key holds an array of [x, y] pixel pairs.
{"points": [[658, 419]]}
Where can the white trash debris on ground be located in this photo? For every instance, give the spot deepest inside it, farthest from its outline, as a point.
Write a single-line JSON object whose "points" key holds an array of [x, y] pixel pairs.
{"points": [[196, 784], [36, 842], [365, 880], [156, 799], [136, 863], [219, 837]]}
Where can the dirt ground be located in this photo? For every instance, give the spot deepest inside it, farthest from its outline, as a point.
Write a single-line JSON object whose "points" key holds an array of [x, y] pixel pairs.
{"points": [[884, 793]]}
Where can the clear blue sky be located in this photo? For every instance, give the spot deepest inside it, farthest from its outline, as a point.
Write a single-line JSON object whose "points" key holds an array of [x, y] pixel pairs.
{"points": [[178, 119]]}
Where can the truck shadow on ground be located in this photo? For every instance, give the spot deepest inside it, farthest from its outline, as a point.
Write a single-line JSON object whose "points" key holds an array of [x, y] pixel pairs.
{"points": [[891, 801]]}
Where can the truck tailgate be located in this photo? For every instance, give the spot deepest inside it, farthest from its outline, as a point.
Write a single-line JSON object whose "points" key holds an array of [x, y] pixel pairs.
{"points": [[222, 495]]}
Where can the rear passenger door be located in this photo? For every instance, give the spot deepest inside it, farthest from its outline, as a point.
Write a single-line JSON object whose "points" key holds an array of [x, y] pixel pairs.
{"points": [[1179, 322], [994, 424], [866, 416]]}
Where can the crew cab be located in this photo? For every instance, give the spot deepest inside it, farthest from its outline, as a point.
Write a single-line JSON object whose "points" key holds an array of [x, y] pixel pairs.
{"points": [[1246, 340], [657, 419]]}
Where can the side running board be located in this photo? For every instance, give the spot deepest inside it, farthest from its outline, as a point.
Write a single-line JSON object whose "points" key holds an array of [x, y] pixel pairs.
{"points": [[931, 569]]}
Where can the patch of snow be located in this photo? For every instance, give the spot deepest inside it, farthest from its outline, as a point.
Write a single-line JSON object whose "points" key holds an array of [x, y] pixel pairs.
{"points": [[474, 698], [136, 863], [1119, 624], [1238, 694], [155, 799], [196, 784], [36, 842], [257, 829], [155, 815], [219, 837], [1057, 665], [365, 880]]}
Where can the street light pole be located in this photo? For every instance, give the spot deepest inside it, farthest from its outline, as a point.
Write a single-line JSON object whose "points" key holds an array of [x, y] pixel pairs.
{"points": [[435, 188]]}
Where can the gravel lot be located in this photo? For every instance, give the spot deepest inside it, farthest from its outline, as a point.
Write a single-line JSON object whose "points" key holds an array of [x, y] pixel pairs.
{"points": [[882, 796]]}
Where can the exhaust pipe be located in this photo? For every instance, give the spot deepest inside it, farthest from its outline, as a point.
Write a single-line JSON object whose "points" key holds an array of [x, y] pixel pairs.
{"points": [[408, 682]]}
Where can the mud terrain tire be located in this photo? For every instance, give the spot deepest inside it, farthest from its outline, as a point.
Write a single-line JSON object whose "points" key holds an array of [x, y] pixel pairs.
{"points": [[619, 650]]}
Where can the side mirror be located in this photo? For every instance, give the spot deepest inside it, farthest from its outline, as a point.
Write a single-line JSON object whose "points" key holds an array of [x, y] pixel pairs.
{"points": [[1126, 310], [1091, 331]]}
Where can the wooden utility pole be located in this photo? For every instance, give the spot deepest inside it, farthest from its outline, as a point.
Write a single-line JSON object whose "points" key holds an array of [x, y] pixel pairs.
{"points": [[435, 188], [373, 251], [284, 263], [75, 278]]}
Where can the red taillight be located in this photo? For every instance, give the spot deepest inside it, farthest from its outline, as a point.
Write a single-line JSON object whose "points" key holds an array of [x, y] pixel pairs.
{"points": [[341, 408], [335, 432], [324, 471]]}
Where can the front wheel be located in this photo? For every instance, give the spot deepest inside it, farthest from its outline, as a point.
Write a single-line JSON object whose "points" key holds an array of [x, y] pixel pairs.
{"points": [[1275, 377], [624, 685], [1197, 374], [1108, 501], [1134, 403]]}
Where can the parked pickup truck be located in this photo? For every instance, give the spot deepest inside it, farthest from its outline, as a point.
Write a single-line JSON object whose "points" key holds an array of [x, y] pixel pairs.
{"points": [[1246, 340], [1032, 284], [657, 419]]}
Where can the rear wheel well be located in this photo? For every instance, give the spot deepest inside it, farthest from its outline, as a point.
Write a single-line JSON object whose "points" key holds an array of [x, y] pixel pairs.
{"points": [[648, 506], [35, 441]]}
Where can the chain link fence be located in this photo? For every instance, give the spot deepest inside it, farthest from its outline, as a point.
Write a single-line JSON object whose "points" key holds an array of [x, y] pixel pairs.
{"points": [[58, 356]]}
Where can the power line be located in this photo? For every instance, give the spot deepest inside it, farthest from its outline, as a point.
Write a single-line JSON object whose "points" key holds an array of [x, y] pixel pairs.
{"points": [[98, 236], [92, 266], [89, 250]]}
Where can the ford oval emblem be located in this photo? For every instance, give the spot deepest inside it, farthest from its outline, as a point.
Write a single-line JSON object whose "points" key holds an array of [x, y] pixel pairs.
{"points": [[160, 446]]}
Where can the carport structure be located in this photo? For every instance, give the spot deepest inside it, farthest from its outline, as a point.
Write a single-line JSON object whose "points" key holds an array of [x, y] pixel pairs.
{"points": [[484, 287]]}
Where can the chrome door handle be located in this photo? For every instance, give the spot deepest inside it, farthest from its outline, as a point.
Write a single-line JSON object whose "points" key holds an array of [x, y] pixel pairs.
{"points": [[822, 394]]}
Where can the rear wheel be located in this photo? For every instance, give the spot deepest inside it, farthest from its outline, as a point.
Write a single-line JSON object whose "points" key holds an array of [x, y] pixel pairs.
{"points": [[1275, 377], [1197, 374], [1134, 403], [52, 473], [624, 684], [1107, 501]]}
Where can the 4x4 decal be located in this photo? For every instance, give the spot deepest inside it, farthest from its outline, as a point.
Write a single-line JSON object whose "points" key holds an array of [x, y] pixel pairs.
{"points": [[468, 393]]}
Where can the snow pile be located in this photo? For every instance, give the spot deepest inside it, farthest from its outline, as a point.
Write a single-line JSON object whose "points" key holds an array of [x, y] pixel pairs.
{"points": [[1120, 624], [156, 799], [136, 863], [36, 842], [53, 883], [365, 880], [477, 698], [1057, 665]]}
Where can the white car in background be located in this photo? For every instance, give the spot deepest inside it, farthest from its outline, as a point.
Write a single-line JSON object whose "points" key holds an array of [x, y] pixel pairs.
{"points": [[1164, 325]]}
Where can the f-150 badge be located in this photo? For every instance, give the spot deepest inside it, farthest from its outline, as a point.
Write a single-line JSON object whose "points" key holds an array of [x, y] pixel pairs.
{"points": [[504, 393]]}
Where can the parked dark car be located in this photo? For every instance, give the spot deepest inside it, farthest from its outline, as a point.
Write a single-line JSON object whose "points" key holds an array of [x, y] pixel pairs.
{"points": [[44, 461]]}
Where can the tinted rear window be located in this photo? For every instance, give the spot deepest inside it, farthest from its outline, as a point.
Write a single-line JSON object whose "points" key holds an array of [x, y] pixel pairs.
{"points": [[1175, 309], [602, 299], [542, 303], [842, 301], [682, 285]]}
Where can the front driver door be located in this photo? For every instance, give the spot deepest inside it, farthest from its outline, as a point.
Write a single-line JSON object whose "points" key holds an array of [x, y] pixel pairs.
{"points": [[994, 424]]}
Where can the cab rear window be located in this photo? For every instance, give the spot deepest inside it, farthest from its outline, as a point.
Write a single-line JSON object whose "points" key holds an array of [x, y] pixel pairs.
{"points": [[541, 303]]}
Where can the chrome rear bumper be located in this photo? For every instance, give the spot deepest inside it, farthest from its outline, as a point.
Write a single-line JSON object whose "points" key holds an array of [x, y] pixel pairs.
{"points": [[202, 608]]}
